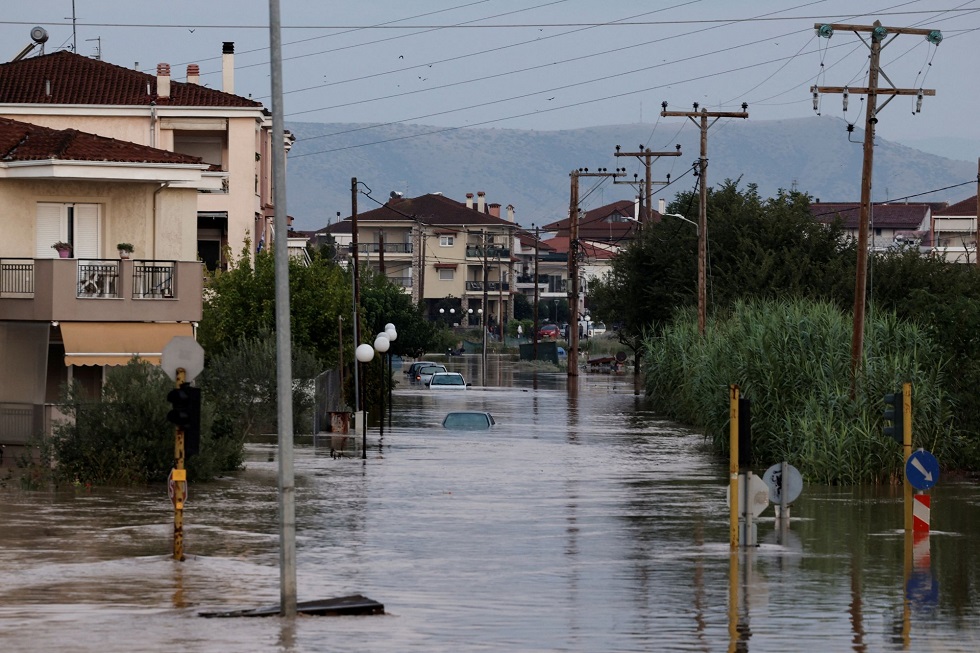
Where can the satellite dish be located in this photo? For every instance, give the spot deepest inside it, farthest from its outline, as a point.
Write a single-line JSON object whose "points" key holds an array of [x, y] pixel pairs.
{"points": [[39, 35]]}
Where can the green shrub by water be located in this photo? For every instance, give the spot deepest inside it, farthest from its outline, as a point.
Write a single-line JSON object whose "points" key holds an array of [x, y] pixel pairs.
{"points": [[792, 360]]}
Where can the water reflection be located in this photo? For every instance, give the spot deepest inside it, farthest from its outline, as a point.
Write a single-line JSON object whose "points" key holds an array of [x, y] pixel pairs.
{"points": [[582, 522]]}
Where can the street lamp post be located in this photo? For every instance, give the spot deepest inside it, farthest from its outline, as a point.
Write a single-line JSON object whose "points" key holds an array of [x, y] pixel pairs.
{"points": [[392, 335], [702, 271], [364, 354], [382, 345]]}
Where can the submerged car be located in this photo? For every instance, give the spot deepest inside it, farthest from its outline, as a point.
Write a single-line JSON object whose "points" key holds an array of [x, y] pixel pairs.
{"points": [[468, 420], [414, 368], [447, 381], [424, 374]]}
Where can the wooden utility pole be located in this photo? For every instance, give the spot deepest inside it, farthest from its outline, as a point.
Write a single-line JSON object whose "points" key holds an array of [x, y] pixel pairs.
{"points": [[702, 122], [646, 194], [878, 35], [353, 246], [573, 253], [976, 227]]}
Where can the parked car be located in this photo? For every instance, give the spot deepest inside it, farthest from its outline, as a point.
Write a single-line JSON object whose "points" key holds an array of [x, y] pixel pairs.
{"points": [[598, 328], [468, 420], [549, 332], [413, 369], [447, 381], [425, 373]]}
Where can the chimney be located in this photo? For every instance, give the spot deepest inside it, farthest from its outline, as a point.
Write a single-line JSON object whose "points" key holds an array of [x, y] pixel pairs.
{"points": [[193, 73], [510, 213], [163, 80], [481, 201], [495, 210], [228, 67], [469, 200]]}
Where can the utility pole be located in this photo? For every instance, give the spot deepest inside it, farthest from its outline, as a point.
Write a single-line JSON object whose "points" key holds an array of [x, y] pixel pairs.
{"points": [[646, 195], [878, 34], [486, 306], [537, 246], [702, 122], [573, 214], [976, 229], [381, 251], [353, 245]]}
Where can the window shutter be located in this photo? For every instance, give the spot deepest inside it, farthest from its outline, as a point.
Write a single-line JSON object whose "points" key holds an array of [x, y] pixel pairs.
{"points": [[49, 230], [86, 231]]}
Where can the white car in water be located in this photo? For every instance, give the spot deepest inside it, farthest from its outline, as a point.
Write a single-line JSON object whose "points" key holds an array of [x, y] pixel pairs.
{"points": [[447, 381]]}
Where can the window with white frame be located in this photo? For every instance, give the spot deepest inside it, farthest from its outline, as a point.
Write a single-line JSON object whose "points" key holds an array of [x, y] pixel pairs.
{"points": [[75, 224], [447, 274], [447, 241]]}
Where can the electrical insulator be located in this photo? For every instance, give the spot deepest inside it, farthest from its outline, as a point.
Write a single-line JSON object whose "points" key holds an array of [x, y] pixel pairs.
{"points": [[816, 101], [935, 37], [918, 102], [845, 98], [825, 31]]}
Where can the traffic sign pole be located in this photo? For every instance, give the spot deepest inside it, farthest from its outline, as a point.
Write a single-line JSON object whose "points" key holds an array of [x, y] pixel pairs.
{"points": [[180, 479], [907, 449], [733, 466]]}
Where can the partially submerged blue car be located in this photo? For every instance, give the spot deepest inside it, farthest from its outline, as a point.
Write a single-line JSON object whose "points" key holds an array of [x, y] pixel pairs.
{"points": [[468, 420]]}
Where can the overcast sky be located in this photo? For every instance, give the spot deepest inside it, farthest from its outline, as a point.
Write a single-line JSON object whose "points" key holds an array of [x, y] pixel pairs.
{"points": [[545, 64]]}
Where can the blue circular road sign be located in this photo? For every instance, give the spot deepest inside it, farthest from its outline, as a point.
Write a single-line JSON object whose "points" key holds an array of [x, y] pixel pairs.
{"points": [[922, 470]]}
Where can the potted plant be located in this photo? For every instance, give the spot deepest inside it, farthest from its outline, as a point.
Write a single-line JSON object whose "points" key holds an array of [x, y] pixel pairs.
{"points": [[125, 249], [64, 249]]}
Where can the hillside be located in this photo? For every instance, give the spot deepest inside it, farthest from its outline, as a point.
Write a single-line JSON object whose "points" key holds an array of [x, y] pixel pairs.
{"points": [[529, 169]]}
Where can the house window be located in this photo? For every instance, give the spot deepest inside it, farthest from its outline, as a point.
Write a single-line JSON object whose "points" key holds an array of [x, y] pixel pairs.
{"points": [[446, 241], [76, 224], [447, 274], [877, 233]]}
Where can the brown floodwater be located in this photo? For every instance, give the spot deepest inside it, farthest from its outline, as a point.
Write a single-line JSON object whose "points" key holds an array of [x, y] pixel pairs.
{"points": [[581, 522]]}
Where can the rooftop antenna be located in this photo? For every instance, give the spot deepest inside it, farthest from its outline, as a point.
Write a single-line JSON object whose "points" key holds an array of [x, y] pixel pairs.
{"points": [[98, 47], [74, 37]]}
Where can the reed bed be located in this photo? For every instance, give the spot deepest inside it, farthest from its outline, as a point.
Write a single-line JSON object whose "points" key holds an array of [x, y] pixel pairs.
{"points": [[792, 359]]}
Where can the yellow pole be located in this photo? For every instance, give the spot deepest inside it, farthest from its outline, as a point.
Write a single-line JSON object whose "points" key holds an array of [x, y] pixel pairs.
{"points": [[733, 466], [733, 635], [907, 450], [179, 475]]}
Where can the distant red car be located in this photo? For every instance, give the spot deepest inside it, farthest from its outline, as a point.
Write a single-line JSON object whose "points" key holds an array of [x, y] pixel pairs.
{"points": [[549, 331]]}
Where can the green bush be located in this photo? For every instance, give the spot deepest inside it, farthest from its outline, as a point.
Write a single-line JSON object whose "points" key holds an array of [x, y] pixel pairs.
{"points": [[792, 360]]}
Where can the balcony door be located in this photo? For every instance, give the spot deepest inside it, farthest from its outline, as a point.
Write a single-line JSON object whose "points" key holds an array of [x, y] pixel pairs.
{"points": [[76, 224]]}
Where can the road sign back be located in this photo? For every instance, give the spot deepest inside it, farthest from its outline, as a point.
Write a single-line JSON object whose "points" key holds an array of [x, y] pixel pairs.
{"points": [[791, 485]]}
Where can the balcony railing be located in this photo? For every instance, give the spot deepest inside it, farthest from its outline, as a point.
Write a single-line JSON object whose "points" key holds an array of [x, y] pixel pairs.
{"points": [[492, 286], [404, 282], [390, 248], [16, 277], [493, 252], [100, 289]]}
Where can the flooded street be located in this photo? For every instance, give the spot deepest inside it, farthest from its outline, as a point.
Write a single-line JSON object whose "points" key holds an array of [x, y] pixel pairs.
{"points": [[581, 522]]}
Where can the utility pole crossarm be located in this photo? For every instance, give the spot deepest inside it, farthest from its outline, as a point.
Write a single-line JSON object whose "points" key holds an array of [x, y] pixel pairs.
{"points": [[879, 91], [649, 153], [870, 28], [710, 114]]}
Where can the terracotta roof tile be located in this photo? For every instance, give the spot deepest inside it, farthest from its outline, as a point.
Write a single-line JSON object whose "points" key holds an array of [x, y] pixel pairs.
{"points": [[22, 141], [74, 79], [966, 207], [888, 216], [431, 209]]}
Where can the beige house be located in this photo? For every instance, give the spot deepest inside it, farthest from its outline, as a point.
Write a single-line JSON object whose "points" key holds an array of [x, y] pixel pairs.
{"points": [[65, 315], [954, 232], [446, 254], [231, 134]]}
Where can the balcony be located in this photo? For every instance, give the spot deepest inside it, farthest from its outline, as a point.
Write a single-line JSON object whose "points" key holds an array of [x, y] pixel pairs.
{"points": [[494, 252], [404, 282], [100, 290], [492, 286], [390, 248]]}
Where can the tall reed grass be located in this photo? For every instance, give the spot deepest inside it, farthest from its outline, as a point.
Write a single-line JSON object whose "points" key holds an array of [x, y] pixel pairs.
{"points": [[791, 358]]}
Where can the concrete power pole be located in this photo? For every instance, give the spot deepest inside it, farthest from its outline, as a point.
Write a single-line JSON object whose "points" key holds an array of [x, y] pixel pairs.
{"points": [[878, 35], [573, 254], [646, 195], [702, 122]]}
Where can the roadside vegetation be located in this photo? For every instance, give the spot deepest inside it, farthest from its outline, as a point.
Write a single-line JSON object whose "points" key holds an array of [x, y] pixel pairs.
{"points": [[122, 435], [773, 275]]}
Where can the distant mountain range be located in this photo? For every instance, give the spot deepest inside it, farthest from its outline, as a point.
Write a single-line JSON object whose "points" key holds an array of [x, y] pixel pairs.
{"points": [[530, 169]]}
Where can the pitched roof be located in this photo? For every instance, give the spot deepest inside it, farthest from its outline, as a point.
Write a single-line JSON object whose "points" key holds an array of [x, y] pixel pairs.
{"points": [[964, 208], [609, 223], [888, 216], [64, 77], [430, 209], [22, 141]]}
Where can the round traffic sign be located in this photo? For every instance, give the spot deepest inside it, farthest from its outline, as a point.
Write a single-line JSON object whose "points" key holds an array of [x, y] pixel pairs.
{"points": [[791, 485], [922, 470]]}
